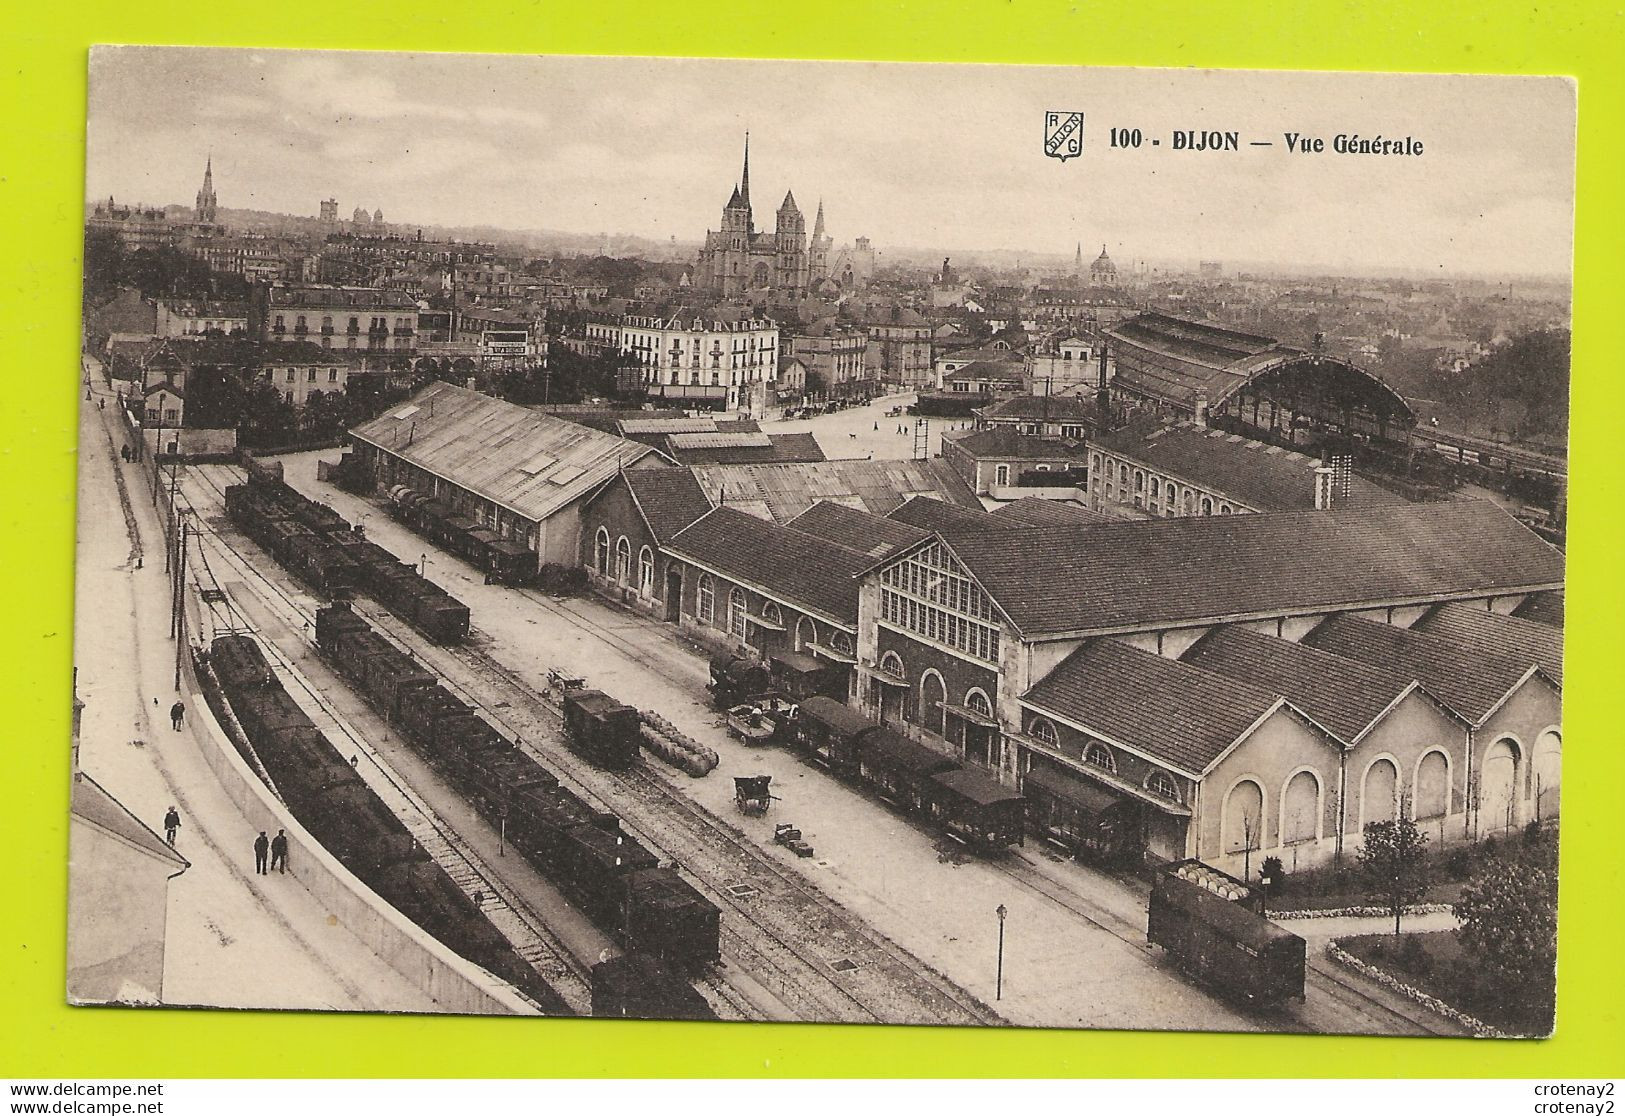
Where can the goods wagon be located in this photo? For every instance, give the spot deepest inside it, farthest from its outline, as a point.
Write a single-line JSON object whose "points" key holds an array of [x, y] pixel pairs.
{"points": [[334, 804], [1223, 942], [585, 853], [605, 732], [637, 986]]}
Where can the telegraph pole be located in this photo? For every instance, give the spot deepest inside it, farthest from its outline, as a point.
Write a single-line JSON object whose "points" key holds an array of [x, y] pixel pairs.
{"points": [[180, 606]]}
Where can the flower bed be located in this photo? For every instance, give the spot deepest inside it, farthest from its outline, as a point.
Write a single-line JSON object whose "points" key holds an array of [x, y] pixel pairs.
{"points": [[1362, 911]]}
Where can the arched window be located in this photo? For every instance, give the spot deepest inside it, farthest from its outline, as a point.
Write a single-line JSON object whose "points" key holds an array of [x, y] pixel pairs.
{"points": [[806, 633], [623, 560], [771, 613], [1498, 781], [1244, 817], [646, 572], [1207, 505], [893, 700], [1548, 767], [932, 696], [600, 559], [1379, 798], [1162, 784], [737, 611], [1098, 755], [977, 702], [705, 603], [1224, 509], [1156, 487], [1190, 502], [840, 643], [1300, 809], [1139, 481], [1042, 729], [1431, 798]]}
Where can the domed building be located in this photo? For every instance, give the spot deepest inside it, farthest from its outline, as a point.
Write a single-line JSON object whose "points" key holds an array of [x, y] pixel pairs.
{"points": [[1103, 271]]}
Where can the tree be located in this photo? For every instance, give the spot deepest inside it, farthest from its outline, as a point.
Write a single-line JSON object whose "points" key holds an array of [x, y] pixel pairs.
{"points": [[215, 397], [323, 415], [1391, 861], [1508, 913], [268, 418]]}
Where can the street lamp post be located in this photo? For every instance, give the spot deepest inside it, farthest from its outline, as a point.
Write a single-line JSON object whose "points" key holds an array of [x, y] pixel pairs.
{"points": [[423, 565], [998, 986]]}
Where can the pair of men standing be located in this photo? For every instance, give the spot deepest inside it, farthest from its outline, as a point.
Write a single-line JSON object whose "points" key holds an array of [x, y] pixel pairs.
{"points": [[277, 847]]}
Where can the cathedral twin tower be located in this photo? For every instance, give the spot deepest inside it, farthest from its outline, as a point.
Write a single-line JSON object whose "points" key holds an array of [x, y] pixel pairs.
{"points": [[737, 258]]}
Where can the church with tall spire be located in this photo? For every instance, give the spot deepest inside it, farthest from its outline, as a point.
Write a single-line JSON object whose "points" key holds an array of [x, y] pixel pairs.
{"points": [[205, 209], [738, 259]]}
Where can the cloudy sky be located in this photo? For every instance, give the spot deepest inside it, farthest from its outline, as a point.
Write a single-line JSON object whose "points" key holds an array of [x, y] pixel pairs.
{"points": [[910, 155]]}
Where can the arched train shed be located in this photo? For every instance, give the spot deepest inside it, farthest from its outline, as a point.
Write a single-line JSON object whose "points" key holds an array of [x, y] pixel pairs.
{"points": [[1207, 373]]}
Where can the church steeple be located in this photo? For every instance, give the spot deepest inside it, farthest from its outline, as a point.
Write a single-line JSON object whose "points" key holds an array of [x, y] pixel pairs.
{"points": [[818, 222], [744, 175], [205, 197]]}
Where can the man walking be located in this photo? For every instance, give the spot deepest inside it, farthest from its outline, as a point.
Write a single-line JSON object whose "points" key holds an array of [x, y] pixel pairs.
{"points": [[177, 713], [172, 822], [279, 851], [261, 847]]}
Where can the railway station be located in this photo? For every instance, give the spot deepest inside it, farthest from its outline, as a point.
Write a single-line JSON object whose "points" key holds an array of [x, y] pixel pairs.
{"points": [[1207, 374], [880, 603]]}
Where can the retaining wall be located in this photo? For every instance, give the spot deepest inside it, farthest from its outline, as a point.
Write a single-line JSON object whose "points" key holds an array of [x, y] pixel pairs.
{"points": [[456, 984]]}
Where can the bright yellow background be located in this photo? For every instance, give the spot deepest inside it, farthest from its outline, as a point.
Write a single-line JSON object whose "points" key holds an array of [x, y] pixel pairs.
{"points": [[41, 191]]}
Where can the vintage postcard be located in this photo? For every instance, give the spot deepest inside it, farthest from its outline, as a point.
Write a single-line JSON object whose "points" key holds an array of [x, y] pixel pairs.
{"points": [[823, 542]]}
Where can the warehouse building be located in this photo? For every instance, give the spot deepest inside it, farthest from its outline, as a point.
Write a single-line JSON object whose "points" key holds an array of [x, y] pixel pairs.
{"points": [[1318, 678], [1159, 468], [514, 472]]}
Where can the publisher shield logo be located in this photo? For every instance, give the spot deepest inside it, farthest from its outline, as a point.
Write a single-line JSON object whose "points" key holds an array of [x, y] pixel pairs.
{"points": [[1063, 134]]}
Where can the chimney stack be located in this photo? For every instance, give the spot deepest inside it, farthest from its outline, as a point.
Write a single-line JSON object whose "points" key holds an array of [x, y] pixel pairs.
{"points": [[1200, 418], [1323, 486]]}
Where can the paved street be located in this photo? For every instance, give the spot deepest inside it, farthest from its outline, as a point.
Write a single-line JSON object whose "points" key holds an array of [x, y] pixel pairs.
{"points": [[867, 431]]}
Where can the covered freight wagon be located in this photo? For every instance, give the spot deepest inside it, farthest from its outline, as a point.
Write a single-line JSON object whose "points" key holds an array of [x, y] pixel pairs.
{"points": [[1223, 944]]}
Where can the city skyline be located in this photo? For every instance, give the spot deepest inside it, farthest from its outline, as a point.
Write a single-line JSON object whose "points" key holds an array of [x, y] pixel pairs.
{"points": [[650, 148]]}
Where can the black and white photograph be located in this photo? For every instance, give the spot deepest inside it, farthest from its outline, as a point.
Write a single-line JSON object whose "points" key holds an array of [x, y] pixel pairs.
{"points": [[821, 542]]}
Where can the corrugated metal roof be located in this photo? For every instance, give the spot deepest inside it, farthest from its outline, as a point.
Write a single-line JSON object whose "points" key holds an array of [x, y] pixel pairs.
{"points": [[667, 425], [715, 440], [528, 462], [787, 490]]}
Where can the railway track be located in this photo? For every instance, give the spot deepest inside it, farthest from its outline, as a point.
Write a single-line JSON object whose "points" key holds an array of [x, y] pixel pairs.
{"points": [[822, 962], [1329, 983], [787, 938], [528, 714], [526, 932]]}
